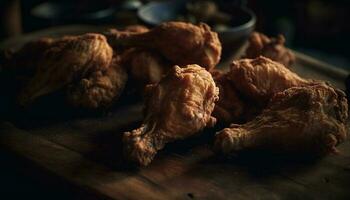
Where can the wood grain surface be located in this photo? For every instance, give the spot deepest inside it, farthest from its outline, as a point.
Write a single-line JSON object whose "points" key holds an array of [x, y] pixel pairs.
{"points": [[86, 152]]}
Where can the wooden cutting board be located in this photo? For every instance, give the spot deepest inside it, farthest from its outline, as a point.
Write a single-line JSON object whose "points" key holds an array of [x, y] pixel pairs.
{"points": [[86, 152]]}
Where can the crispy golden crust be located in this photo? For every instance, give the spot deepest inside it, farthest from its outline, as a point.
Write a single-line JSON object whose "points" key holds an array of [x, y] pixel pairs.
{"points": [[310, 119], [246, 89], [261, 77], [176, 108]]}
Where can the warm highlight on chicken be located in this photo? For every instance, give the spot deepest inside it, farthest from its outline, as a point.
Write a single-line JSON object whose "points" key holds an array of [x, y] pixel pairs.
{"points": [[310, 119], [273, 48], [260, 78], [179, 42], [176, 108]]}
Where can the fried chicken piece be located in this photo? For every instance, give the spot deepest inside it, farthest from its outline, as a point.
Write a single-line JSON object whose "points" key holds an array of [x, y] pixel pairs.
{"points": [[67, 59], [246, 89], [260, 78], [273, 48], [179, 42], [309, 119], [176, 108], [99, 89]]}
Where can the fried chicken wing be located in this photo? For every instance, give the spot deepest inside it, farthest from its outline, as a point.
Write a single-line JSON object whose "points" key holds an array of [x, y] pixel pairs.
{"points": [[309, 119], [273, 48], [179, 42], [67, 59], [176, 108], [99, 89]]}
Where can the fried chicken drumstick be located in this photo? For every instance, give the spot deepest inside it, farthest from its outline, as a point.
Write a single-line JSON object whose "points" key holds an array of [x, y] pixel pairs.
{"points": [[176, 108], [179, 42], [273, 48], [309, 119]]}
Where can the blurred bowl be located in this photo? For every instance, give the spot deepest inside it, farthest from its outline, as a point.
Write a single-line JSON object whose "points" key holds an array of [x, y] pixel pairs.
{"points": [[58, 13], [232, 39]]}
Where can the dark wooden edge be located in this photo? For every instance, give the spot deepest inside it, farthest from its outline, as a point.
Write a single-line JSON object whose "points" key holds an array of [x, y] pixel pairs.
{"points": [[76, 169], [320, 66]]}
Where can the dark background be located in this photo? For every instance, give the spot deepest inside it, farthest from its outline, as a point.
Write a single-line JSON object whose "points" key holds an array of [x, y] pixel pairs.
{"points": [[316, 27], [319, 28]]}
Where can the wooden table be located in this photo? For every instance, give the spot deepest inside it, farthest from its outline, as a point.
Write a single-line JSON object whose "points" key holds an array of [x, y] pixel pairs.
{"points": [[86, 153]]}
